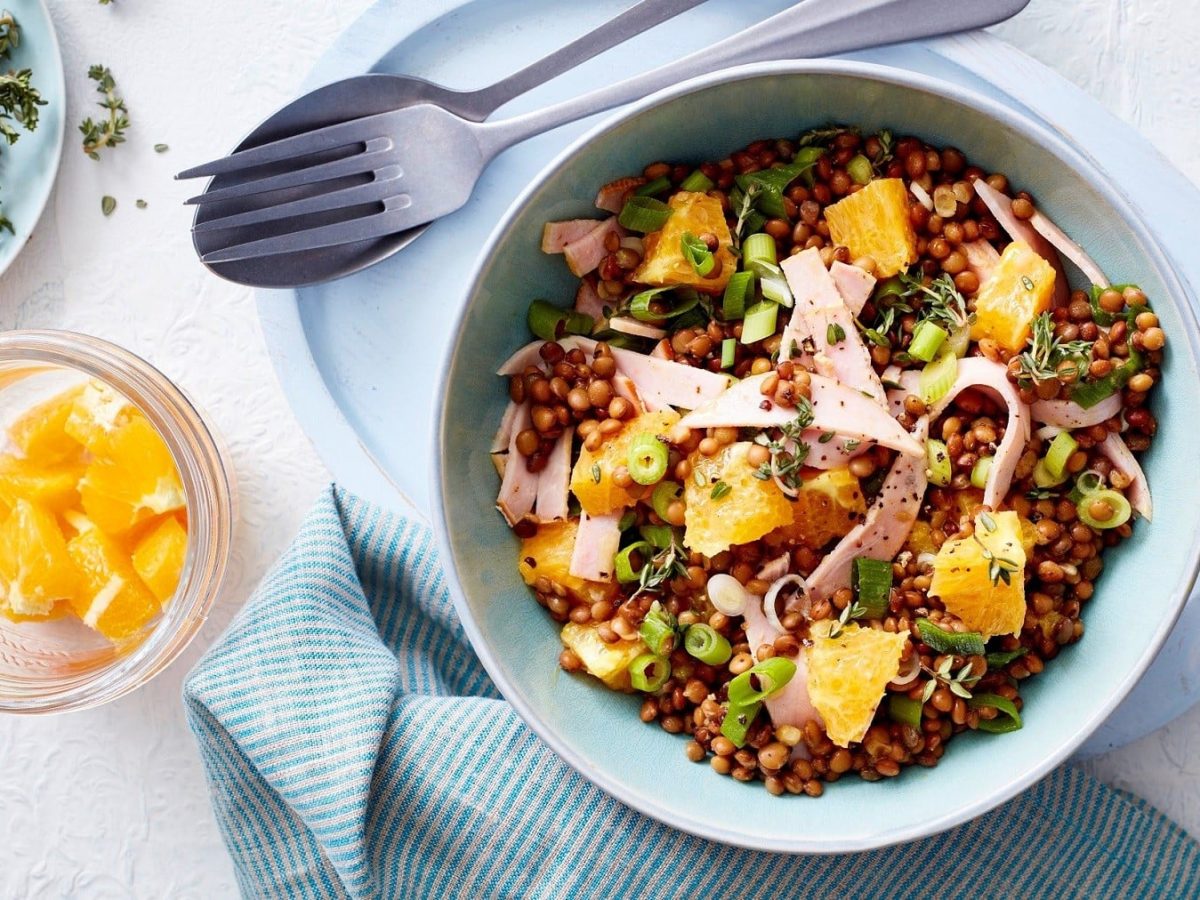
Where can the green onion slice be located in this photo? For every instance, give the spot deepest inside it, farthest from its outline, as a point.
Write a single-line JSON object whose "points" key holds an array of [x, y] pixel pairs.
{"points": [[737, 722], [1121, 510], [550, 323], [760, 321], [639, 304], [1009, 721], [696, 252], [1044, 478], [1087, 483], [653, 186], [871, 580], [959, 341], [762, 680], [728, 353], [773, 281], [627, 520], [860, 170], [938, 377], [665, 493], [624, 561], [698, 182], [647, 459], [1059, 452], [649, 672], [980, 472], [771, 183], [660, 537], [937, 462], [758, 248], [905, 710], [644, 214], [658, 630], [998, 659], [1088, 393], [705, 644], [927, 340], [740, 286], [960, 643]]}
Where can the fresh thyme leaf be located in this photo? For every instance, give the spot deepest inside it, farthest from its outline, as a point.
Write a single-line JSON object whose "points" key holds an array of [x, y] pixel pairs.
{"points": [[107, 132], [927, 691], [763, 472], [835, 333], [887, 151], [941, 302], [852, 445], [141, 204], [1046, 353], [853, 610], [597, 476], [988, 522], [1040, 494], [720, 489], [826, 437], [19, 102], [161, 148], [744, 213], [698, 477], [1027, 282], [107, 205], [823, 136]]}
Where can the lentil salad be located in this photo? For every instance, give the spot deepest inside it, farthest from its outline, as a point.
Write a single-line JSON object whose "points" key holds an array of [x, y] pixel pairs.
{"points": [[823, 459]]}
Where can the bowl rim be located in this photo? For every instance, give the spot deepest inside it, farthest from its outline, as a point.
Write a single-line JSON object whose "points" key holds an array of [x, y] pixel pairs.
{"points": [[1040, 135]]}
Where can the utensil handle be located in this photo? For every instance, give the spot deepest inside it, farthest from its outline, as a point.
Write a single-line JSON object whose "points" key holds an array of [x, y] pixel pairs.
{"points": [[638, 18], [810, 28]]}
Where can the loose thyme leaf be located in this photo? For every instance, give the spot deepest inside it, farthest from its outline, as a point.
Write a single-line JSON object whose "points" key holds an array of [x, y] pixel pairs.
{"points": [[107, 205], [111, 131], [835, 333], [720, 489], [988, 522], [596, 474], [826, 437], [141, 204], [161, 148], [927, 692]]}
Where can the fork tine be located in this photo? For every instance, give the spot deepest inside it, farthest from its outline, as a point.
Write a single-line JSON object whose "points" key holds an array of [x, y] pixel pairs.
{"points": [[394, 218], [378, 152], [382, 188], [356, 131]]}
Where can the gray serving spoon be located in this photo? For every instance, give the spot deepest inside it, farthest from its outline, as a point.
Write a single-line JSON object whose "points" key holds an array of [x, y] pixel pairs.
{"points": [[330, 201]]}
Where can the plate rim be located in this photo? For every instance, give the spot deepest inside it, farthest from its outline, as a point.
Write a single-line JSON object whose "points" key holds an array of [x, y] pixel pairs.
{"points": [[649, 806]]}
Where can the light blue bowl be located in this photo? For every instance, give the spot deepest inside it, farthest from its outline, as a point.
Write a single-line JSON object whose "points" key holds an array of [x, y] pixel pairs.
{"points": [[597, 732]]}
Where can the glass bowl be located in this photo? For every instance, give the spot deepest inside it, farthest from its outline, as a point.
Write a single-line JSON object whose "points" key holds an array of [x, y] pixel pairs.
{"points": [[60, 664]]}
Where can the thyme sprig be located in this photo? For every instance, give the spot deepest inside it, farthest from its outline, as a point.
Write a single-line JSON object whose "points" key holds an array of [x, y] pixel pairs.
{"points": [[823, 136], [853, 610], [941, 302], [661, 568], [958, 683], [744, 213], [789, 453], [887, 151], [110, 131], [1047, 353]]}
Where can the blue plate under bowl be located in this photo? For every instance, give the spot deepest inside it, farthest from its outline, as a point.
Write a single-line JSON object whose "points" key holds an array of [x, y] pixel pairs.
{"points": [[598, 732]]}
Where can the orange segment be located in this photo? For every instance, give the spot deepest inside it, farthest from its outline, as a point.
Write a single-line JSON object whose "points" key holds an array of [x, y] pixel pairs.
{"points": [[981, 579], [591, 479], [548, 555], [133, 478], [54, 488], [608, 662], [41, 434], [664, 262], [1020, 288], [96, 413], [114, 600], [829, 505], [848, 674], [874, 222], [743, 511], [35, 569], [159, 558]]}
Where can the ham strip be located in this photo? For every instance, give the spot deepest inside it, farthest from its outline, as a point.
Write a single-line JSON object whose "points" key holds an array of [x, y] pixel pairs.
{"points": [[596, 545], [588, 301], [854, 284], [624, 387], [662, 350], [518, 488], [775, 569], [585, 254], [792, 705], [982, 258], [836, 408], [833, 453], [1068, 414], [611, 197], [821, 314], [1068, 248], [505, 432], [1000, 206], [556, 235], [1116, 451], [882, 533], [554, 481]]}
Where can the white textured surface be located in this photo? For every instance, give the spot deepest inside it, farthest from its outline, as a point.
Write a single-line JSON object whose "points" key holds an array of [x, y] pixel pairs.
{"points": [[112, 802]]}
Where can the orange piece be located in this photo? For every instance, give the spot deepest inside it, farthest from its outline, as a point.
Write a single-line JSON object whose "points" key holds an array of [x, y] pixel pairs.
{"points": [[35, 568], [848, 674], [55, 488], [742, 511], [664, 262], [1020, 288], [41, 434], [159, 558], [874, 222], [592, 478], [96, 413], [981, 579], [548, 555], [133, 478], [114, 600], [828, 506]]}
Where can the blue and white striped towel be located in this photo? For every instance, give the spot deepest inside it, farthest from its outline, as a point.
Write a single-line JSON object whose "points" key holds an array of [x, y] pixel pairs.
{"points": [[356, 748]]}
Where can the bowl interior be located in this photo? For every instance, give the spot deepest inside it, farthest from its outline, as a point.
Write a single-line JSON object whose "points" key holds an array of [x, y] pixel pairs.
{"points": [[1138, 595]]}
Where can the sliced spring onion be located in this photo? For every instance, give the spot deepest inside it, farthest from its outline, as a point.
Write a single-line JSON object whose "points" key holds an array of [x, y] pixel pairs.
{"points": [[658, 630], [740, 287], [760, 321], [627, 520], [623, 563], [1000, 658], [649, 672], [737, 722], [1003, 724], [644, 214], [1100, 315], [727, 594], [698, 182], [1059, 452], [1087, 483], [758, 248], [860, 170], [760, 681], [980, 472], [665, 493], [892, 287], [905, 710], [871, 580], [927, 340], [653, 186], [550, 323], [959, 341], [1044, 478], [647, 460], [773, 281], [660, 537], [1093, 506], [703, 642], [1088, 393], [770, 184], [937, 462], [938, 377], [639, 304], [696, 252], [960, 643], [728, 353]]}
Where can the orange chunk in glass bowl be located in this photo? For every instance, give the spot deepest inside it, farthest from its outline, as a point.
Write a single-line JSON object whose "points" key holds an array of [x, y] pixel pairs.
{"points": [[113, 600], [132, 478], [35, 568]]}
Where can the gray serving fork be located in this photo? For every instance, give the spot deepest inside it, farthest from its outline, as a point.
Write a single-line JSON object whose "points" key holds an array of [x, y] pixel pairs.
{"points": [[392, 172]]}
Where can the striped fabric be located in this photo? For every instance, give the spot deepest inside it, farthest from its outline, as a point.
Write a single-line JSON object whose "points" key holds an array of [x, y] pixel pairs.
{"points": [[356, 748]]}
